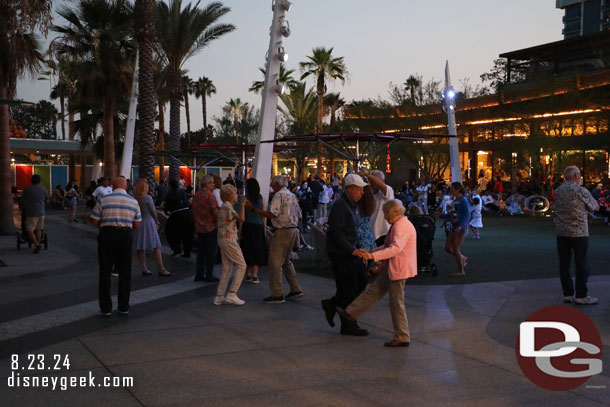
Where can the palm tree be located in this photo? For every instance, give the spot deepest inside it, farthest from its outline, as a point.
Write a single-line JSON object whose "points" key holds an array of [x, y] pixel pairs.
{"points": [[236, 108], [187, 89], [162, 95], [99, 33], [60, 92], [286, 79], [204, 88], [334, 102], [413, 83], [145, 35], [325, 67], [19, 54], [183, 33], [299, 111]]}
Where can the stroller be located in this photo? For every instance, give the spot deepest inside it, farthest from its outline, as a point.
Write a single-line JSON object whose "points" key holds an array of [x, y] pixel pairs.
{"points": [[23, 238], [425, 226]]}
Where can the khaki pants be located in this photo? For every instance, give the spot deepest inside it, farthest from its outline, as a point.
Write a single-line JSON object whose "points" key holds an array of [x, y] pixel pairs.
{"points": [[231, 254], [376, 291], [280, 249]]}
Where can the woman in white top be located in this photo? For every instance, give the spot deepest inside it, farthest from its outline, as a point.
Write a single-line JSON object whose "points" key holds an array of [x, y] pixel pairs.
{"points": [[323, 200]]}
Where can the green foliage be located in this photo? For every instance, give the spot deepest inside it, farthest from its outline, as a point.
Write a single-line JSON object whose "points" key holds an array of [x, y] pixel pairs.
{"points": [[39, 121]]}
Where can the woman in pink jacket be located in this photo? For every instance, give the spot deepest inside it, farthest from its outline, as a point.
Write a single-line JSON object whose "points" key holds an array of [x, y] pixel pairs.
{"points": [[398, 258]]}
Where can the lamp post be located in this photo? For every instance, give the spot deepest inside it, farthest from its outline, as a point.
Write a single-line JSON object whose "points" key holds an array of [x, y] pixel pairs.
{"points": [[454, 151], [263, 156], [131, 124]]}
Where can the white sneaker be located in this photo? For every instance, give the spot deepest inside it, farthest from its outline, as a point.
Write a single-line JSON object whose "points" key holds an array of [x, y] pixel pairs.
{"points": [[232, 298], [219, 300], [586, 301]]}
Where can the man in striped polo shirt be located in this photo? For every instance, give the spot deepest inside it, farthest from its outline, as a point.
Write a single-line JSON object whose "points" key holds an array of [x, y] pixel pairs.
{"points": [[117, 214]]}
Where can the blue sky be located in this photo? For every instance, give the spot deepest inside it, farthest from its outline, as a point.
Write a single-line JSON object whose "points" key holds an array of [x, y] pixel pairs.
{"points": [[382, 41]]}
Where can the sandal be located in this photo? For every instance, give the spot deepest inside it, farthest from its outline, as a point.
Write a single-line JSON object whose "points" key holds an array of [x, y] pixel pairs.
{"points": [[146, 273], [164, 273]]}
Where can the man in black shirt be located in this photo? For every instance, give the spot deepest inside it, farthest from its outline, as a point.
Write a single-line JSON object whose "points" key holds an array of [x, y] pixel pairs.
{"points": [[342, 242]]}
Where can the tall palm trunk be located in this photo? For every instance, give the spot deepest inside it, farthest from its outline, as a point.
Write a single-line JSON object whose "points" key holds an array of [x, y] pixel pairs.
{"points": [[83, 170], [62, 100], [320, 93], [145, 32], [204, 112], [71, 157], [7, 227], [188, 117], [108, 126], [161, 139], [174, 123]]}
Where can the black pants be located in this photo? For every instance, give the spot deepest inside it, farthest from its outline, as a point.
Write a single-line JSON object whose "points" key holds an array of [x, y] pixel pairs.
{"points": [[580, 246], [114, 249], [380, 241], [179, 231], [351, 280], [207, 249]]}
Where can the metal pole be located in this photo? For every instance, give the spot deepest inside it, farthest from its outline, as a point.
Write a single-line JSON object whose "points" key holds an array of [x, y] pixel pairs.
{"points": [[454, 151], [357, 156], [263, 155], [131, 124]]}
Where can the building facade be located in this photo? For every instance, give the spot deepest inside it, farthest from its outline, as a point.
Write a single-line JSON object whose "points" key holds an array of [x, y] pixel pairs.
{"points": [[583, 17]]}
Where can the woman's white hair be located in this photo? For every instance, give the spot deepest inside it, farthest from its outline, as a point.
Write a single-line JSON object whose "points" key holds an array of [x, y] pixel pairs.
{"points": [[393, 208]]}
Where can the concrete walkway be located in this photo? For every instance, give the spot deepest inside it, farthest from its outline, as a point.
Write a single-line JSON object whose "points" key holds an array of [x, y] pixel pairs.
{"points": [[183, 351]]}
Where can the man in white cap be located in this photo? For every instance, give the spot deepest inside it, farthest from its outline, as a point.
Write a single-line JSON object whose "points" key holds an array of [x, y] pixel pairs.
{"points": [[342, 243]]}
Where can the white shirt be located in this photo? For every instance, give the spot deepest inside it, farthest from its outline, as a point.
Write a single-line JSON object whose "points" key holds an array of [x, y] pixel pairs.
{"points": [[325, 195], [216, 193], [102, 191], [378, 223]]}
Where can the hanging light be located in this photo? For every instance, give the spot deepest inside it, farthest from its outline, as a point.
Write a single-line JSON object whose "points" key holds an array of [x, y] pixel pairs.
{"points": [[284, 4], [285, 28], [281, 55]]}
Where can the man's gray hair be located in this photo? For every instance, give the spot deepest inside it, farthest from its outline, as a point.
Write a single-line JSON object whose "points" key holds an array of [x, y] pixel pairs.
{"points": [[206, 179], [279, 180], [378, 174], [571, 171]]}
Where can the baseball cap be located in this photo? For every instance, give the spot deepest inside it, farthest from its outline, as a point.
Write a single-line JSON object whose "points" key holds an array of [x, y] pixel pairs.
{"points": [[354, 179]]}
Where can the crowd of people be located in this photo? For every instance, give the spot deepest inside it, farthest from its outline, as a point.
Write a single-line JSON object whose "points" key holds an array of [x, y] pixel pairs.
{"points": [[371, 242]]}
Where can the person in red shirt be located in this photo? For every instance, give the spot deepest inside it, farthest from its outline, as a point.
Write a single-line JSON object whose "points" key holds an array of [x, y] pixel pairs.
{"points": [[205, 212]]}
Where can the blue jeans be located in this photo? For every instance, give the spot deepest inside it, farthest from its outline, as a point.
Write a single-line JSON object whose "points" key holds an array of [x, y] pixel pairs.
{"points": [[207, 248], [580, 246]]}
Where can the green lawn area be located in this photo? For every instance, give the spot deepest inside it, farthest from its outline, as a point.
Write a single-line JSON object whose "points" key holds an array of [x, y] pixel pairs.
{"points": [[510, 248]]}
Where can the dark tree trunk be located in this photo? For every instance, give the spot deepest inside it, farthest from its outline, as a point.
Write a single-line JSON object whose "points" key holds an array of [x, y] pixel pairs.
{"points": [[108, 126], [63, 116], [7, 227], [188, 117], [161, 139], [204, 112], [145, 33], [174, 123], [71, 157]]}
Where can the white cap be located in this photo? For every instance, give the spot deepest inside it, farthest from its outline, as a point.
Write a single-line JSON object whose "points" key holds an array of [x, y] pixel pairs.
{"points": [[354, 179]]}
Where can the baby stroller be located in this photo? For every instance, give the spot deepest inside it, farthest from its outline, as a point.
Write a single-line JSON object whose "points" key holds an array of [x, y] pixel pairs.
{"points": [[425, 226], [23, 238]]}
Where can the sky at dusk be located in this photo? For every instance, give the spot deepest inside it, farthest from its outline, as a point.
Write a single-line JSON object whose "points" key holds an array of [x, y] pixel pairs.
{"points": [[382, 41]]}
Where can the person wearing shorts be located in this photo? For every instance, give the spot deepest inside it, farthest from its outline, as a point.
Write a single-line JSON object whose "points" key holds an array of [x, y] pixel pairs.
{"points": [[459, 230], [34, 199]]}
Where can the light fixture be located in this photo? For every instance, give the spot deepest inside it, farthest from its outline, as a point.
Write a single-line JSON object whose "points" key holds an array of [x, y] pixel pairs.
{"points": [[285, 28], [450, 93], [279, 89], [281, 55]]}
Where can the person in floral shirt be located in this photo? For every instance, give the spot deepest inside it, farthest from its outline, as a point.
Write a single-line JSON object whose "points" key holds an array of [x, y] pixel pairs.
{"points": [[205, 212], [229, 248]]}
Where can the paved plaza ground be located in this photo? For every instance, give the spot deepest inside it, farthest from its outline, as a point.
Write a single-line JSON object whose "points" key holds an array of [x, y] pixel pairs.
{"points": [[183, 351]]}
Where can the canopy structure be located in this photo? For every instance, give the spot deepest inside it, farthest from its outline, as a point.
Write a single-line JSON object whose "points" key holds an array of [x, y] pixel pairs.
{"points": [[365, 143], [206, 154]]}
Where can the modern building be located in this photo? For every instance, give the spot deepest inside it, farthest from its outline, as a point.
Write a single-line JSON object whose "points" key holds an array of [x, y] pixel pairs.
{"points": [[583, 17]]}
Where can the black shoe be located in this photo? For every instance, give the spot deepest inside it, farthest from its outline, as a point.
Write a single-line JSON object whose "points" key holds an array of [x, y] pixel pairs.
{"points": [[123, 312], [396, 344], [211, 279], [344, 314], [329, 312], [292, 296], [174, 254], [275, 300], [37, 249], [354, 332], [104, 314]]}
